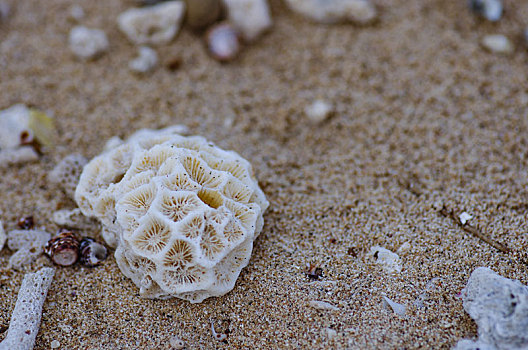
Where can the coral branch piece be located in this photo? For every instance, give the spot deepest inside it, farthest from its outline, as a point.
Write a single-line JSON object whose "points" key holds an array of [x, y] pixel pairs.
{"points": [[25, 321]]}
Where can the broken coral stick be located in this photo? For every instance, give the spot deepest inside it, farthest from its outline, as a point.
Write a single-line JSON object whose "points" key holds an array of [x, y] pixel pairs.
{"points": [[25, 321]]}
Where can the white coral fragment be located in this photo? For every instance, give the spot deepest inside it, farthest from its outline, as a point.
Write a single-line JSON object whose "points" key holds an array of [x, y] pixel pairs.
{"points": [[464, 218], [250, 17], [334, 11], [27, 244], [499, 306], [67, 172], [25, 321], [152, 25], [182, 213], [87, 43], [389, 261]]}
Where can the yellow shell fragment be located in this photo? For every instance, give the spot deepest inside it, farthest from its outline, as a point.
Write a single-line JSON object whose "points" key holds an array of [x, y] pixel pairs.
{"points": [[43, 127]]}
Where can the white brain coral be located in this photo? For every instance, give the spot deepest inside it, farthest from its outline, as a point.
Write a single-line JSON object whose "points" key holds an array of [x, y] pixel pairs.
{"points": [[182, 212]]}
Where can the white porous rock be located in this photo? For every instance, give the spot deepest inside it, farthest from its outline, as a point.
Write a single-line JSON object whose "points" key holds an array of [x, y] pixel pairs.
{"points": [[152, 25], [145, 62], [72, 218], [499, 306], [182, 212], [27, 245], [335, 11], [67, 172], [389, 261], [87, 43], [498, 43], [25, 320], [3, 236], [250, 17]]}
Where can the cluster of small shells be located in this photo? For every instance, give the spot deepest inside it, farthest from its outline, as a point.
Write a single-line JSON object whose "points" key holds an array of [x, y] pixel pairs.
{"points": [[182, 212], [65, 250]]}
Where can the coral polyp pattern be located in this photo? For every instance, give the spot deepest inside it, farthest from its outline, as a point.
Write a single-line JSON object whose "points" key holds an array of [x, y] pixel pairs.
{"points": [[181, 212]]}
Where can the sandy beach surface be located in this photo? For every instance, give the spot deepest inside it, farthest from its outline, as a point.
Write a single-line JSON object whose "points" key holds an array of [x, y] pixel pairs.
{"points": [[424, 118]]}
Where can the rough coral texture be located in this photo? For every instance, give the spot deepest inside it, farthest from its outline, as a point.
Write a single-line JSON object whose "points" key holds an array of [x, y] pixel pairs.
{"points": [[67, 172], [182, 212], [499, 306], [25, 321]]}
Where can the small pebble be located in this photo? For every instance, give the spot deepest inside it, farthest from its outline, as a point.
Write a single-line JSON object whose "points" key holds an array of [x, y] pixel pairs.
{"points": [[222, 42], [87, 43], [389, 261], [152, 25], [145, 62], [489, 9], [251, 18], [5, 10], [76, 12], [322, 305], [55, 344], [464, 218], [498, 43], [318, 111], [330, 333], [3, 236], [176, 343], [201, 13]]}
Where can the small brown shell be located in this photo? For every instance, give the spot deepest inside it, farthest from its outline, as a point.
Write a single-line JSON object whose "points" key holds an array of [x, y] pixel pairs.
{"points": [[63, 249], [26, 222], [92, 253]]}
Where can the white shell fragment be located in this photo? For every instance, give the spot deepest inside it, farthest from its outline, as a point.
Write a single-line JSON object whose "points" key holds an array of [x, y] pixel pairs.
{"points": [[389, 261], [71, 218], [67, 172], [25, 320], [152, 25], [464, 218], [499, 306], [87, 43], [498, 43], [322, 305], [251, 18], [146, 61], [27, 244], [335, 11], [3, 236], [20, 155], [489, 9], [318, 111], [182, 212], [398, 309], [13, 122]]}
